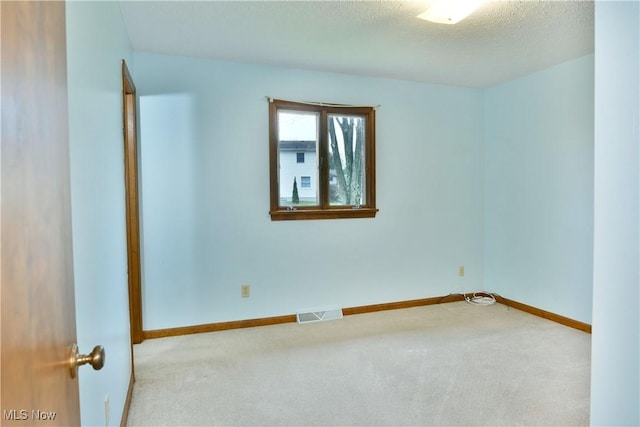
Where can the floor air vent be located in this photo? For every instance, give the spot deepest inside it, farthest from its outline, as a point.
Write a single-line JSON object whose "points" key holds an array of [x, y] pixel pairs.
{"points": [[320, 315]]}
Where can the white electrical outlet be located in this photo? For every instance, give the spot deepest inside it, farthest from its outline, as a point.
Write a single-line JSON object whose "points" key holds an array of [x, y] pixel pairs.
{"points": [[461, 271], [245, 291]]}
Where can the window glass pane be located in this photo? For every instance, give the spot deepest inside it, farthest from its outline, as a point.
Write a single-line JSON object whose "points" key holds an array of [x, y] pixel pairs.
{"points": [[298, 139], [346, 160]]}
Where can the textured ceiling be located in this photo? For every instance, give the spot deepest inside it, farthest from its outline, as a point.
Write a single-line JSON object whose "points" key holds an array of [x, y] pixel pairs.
{"points": [[500, 41]]}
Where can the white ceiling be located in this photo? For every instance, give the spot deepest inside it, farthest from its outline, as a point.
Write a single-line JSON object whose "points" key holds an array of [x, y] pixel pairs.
{"points": [[502, 40]]}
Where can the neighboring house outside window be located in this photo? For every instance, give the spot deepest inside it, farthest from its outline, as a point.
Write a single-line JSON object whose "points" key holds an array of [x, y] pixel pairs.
{"points": [[291, 167]]}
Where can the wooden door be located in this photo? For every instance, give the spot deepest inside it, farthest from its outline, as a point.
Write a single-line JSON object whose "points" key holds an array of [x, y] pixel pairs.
{"points": [[38, 309]]}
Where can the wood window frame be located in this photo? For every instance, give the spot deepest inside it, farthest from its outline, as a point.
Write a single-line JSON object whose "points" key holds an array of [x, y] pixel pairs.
{"points": [[323, 210]]}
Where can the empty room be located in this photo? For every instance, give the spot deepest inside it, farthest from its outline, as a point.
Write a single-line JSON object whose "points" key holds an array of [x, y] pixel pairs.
{"points": [[342, 212]]}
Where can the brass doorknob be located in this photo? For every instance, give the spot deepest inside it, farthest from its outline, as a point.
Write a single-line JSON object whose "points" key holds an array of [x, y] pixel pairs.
{"points": [[95, 359]]}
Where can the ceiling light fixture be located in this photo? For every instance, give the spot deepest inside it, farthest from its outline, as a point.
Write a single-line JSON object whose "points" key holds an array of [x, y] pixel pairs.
{"points": [[450, 11]]}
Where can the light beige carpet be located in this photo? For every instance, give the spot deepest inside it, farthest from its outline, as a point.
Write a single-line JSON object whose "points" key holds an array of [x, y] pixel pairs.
{"points": [[448, 364]]}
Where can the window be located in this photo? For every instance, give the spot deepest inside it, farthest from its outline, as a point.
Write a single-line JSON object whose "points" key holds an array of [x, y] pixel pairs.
{"points": [[337, 173]]}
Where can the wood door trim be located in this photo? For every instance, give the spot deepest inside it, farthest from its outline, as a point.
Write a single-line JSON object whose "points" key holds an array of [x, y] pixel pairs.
{"points": [[129, 118], [127, 403]]}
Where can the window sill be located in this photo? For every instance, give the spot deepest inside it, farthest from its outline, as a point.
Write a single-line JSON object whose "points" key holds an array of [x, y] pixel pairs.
{"points": [[304, 214]]}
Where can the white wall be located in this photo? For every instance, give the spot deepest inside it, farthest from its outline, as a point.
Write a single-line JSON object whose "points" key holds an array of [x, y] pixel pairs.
{"points": [[96, 43], [615, 362], [205, 195], [539, 189]]}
